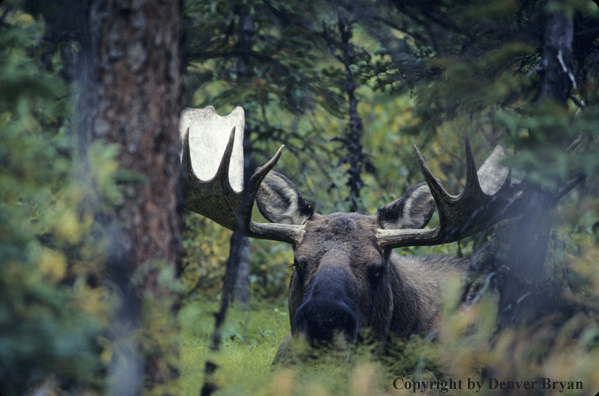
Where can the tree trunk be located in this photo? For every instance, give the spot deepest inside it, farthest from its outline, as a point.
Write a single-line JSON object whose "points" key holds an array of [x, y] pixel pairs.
{"points": [[557, 78], [236, 281], [130, 81], [523, 297], [241, 291], [245, 42], [352, 141]]}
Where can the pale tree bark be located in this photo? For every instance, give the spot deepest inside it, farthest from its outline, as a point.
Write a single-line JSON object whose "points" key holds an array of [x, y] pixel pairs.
{"points": [[557, 79], [523, 296], [130, 83]]}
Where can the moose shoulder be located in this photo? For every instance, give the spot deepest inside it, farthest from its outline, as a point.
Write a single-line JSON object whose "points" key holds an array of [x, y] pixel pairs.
{"points": [[346, 276]]}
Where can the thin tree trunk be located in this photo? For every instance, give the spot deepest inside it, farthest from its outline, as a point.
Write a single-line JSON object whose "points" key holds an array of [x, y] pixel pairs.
{"points": [[241, 291], [245, 42], [130, 96], [557, 78], [352, 141], [236, 281]]}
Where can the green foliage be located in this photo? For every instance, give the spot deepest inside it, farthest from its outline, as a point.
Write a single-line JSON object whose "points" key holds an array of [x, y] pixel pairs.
{"points": [[559, 346], [437, 71], [250, 340], [206, 247], [55, 307], [442, 69], [206, 251], [283, 61], [289, 88], [250, 346], [49, 315]]}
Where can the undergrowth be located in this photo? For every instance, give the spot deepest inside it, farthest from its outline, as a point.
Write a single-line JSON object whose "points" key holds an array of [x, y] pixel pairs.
{"points": [[251, 339], [467, 348]]}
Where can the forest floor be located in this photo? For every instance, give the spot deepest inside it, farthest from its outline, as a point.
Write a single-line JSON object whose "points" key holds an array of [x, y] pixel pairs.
{"points": [[250, 341]]}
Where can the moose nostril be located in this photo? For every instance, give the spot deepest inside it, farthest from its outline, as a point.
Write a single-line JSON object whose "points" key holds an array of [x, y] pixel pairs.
{"points": [[322, 320]]}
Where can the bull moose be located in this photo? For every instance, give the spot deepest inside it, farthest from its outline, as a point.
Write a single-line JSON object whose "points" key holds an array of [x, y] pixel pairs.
{"points": [[346, 275]]}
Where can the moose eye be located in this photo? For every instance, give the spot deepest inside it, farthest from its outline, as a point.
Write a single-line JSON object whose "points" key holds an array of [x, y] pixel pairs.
{"points": [[376, 272]]}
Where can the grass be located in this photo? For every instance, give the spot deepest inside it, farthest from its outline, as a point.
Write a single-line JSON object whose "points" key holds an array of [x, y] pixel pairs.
{"points": [[467, 346], [250, 342]]}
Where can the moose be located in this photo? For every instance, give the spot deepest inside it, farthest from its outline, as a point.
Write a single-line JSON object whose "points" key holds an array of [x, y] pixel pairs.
{"points": [[346, 275]]}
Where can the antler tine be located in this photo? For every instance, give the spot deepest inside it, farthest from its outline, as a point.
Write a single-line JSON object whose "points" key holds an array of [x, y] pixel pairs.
{"points": [[216, 198], [261, 172], [472, 183], [200, 195], [257, 178], [186, 158], [459, 216], [222, 174], [279, 232], [437, 190]]}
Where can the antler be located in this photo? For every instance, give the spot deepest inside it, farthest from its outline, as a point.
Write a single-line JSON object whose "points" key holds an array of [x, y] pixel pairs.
{"points": [[216, 198], [483, 203]]}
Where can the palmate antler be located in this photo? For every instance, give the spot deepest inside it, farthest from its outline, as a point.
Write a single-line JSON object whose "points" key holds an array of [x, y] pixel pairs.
{"points": [[488, 198], [216, 198]]}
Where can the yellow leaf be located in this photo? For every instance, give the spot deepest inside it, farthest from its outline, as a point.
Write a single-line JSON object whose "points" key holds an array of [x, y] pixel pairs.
{"points": [[52, 264], [68, 227]]}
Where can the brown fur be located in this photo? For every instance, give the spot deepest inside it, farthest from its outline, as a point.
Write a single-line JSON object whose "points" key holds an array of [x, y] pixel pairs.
{"points": [[408, 295], [370, 288]]}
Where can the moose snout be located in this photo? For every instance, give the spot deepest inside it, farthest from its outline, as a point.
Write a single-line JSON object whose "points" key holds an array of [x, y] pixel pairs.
{"points": [[329, 306]]}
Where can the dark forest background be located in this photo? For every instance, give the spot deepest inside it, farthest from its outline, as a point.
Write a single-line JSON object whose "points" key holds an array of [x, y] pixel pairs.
{"points": [[107, 286]]}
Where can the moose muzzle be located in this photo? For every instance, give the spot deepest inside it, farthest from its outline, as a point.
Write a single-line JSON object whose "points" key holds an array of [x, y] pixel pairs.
{"points": [[329, 307]]}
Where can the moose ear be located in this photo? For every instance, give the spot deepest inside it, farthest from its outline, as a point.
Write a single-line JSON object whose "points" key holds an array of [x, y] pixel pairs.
{"points": [[280, 201], [413, 210]]}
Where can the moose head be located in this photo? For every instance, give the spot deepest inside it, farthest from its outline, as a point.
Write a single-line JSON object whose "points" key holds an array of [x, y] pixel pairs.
{"points": [[346, 275]]}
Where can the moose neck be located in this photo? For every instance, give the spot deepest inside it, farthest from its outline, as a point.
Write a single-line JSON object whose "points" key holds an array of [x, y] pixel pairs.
{"points": [[416, 283]]}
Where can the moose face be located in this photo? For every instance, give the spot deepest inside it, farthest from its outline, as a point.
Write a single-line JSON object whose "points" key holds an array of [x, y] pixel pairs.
{"points": [[337, 270], [343, 279]]}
